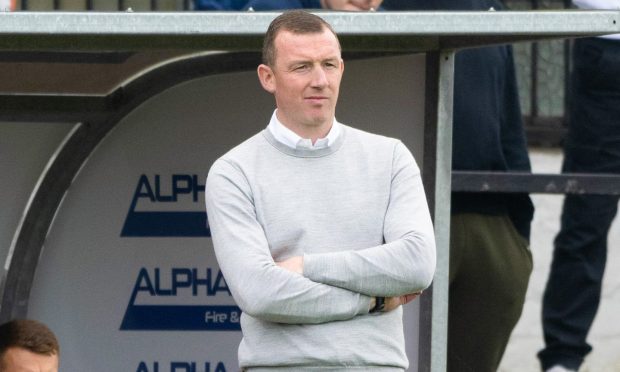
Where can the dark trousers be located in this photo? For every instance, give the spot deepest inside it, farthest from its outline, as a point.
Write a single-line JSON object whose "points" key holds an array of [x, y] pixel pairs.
{"points": [[490, 266], [573, 290]]}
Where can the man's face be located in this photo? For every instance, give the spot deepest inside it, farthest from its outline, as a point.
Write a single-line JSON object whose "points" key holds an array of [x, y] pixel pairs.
{"points": [[305, 79], [16, 359]]}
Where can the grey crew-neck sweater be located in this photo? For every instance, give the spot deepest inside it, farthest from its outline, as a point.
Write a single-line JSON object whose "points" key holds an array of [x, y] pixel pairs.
{"points": [[357, 212]]}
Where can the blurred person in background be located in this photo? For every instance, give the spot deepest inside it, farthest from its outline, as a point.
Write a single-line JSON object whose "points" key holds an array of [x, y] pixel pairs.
{"points": [[573, 290], [490, 260], [219, 4], [344, 5]]}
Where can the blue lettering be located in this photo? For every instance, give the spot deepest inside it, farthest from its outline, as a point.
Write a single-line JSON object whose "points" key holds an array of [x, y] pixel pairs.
{"points": [[177, 189], [143, 182], [220, 284], [182, 366], [197, 187], [177, 282], [158, 289], [166, 223], [181, 184], [143, 368], [160, 197], [143, 276], [180, 278], [148, 191], [197, 281], [179, 366], [211, 288]]}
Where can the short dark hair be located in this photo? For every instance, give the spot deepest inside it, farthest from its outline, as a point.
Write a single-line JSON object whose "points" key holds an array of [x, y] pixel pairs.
{"points": [[28, 334], [295, 21]]}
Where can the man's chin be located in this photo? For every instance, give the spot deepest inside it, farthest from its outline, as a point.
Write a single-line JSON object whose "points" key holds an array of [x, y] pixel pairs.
{"points": [[318, 123], [319, 120]]}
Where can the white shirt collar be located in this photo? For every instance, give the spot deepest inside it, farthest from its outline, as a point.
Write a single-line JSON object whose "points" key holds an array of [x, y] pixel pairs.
{"points": [[291, 139]]}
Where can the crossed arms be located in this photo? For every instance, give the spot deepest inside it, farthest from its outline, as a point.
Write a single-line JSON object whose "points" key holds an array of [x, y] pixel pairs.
{"points": [[330, 286]]}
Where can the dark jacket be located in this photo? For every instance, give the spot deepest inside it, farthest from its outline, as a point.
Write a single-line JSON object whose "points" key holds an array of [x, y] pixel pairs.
{"points": [[255, 4], [488, 130], [283, 4]]}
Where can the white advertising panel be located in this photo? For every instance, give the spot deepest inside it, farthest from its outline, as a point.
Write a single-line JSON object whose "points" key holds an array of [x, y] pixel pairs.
{"points": [[128, 279]]}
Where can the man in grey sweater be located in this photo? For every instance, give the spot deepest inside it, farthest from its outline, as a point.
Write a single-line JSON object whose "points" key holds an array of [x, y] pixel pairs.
{"points": [[321, 230]]}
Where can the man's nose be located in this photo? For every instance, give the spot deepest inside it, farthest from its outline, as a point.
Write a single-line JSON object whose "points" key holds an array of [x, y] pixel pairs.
{"points": [[319, 77]]}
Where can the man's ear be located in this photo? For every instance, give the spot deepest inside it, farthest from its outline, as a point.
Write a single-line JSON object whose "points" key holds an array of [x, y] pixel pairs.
{"points": [[267, 80]]}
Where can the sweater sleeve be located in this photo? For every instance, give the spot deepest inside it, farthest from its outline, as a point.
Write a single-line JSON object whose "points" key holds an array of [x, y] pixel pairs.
{"points": [[261, 288], [405, 263]]}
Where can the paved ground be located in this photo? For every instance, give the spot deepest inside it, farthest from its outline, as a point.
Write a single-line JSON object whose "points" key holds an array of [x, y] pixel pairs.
{"points": [[527, 339]]}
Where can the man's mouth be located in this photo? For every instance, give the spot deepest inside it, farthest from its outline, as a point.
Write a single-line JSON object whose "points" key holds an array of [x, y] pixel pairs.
{"points": [[316, 99]]}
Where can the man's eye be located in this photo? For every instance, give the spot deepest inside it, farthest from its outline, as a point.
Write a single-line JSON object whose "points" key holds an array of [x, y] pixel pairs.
{"points": [[301, 68]]}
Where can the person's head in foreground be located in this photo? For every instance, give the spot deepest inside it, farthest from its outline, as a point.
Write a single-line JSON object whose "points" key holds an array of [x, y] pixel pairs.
{"points": [[28, 346], [302, 67]]}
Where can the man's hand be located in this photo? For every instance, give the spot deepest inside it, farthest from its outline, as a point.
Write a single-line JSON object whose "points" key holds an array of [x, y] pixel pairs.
{"points": [[392, 303], [294, 264]]}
